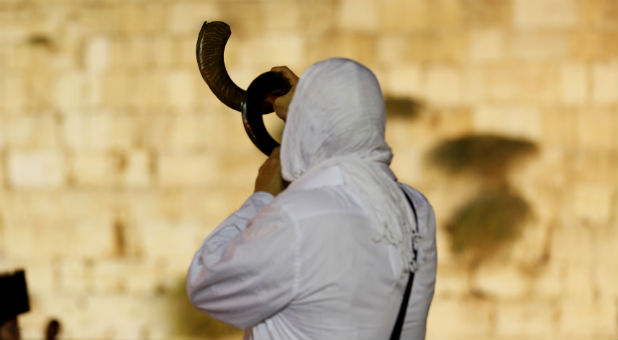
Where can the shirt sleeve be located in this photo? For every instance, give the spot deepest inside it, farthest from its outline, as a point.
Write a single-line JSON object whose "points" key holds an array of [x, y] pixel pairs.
{"points": [[245, 271]]}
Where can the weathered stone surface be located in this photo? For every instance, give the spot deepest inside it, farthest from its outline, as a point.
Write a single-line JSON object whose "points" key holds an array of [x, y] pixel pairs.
{"points": [[185, 169], [574, 84], [443, 86], [500, 282], [533, 319], [486, 45], [468, 318], [557, 14], [605, 83], [516, 121], [116, 160], [36, 169], [359, 15]]}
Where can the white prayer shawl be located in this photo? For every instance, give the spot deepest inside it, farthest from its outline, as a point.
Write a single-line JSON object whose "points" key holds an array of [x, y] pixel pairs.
{"points": [[337, 117]]}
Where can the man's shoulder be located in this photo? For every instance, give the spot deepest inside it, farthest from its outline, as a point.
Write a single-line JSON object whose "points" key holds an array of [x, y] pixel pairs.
{"points": [[301, 203]]}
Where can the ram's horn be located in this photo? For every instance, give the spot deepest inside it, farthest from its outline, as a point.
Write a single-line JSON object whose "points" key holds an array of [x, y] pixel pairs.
{"points": [[209, 51]]}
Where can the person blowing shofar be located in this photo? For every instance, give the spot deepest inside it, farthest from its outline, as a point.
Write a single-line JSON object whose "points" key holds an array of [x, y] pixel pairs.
{"points": [[329, 245]]}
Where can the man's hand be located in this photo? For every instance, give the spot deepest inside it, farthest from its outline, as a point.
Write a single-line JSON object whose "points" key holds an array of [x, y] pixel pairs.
{"points": [[269, 176], [282, 103]]}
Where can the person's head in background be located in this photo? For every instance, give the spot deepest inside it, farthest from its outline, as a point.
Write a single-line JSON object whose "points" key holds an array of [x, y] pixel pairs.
{"points": [[14, 301]]}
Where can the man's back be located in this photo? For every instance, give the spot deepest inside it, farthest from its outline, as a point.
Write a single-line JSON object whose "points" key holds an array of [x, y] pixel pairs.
{"points": [[345, 282]]}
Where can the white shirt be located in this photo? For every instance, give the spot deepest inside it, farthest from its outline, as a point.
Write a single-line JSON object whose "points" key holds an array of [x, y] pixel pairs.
{"points": [[308, 264]]}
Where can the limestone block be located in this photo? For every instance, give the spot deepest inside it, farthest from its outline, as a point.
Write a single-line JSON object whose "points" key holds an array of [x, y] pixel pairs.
{"points": [[593, 45], [591, 202], [571, 247], [164, 48], [73, 275], [291, 21], [15, 93], [408, 164], [552, 14], [600, 15], [137, 18], [501, 83], [117, 86], [594, 167], [97, 54], [41, 277], [468, 319], [443, 85], [605, 83], [149, 92], [93, 237], [580, 320], [598, 128], [70, 90], [359, 15], [181, 132], [534, 46], [38, 237], [273, 49], [32, 131], [181, 93], [486, 45], [487, 14], [532, 246], [503, 282], [36, 169], [404, 16], [188, 18], [138, 54], [514, 121], [452, 121], [236, 170], [110, 276], [474, 86], [549, 283], [361, 47], [138, 170], [89, 309], [534, 318], [96, 169], [574, 83], [185, 169], [433, 47], [453, 280], [99, 132], [559, 127], [605, 270], [174, 242], [403, 80]]}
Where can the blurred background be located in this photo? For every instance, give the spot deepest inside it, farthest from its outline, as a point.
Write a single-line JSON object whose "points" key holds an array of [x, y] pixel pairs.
{"points": [[116, 160]]}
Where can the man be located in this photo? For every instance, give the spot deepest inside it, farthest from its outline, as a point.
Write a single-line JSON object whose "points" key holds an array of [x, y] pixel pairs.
{"points": [[329, 257], [13, 301]]}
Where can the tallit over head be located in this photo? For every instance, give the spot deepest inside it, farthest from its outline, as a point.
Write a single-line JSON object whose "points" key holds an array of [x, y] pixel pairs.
{"points": [[337, 118]]}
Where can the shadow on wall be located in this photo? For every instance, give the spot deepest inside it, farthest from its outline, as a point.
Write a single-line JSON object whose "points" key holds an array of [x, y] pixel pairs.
{"points": [[494, 217]]}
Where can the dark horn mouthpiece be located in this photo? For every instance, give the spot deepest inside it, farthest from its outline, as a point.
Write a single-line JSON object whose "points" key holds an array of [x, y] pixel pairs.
{"points": [[209, 51]]}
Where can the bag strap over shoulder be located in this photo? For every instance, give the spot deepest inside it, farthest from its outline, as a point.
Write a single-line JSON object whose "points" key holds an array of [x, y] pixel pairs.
{"points": [[397, 328]]}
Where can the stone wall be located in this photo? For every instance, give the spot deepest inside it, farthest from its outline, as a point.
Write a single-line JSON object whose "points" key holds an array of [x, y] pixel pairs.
{"points": [[116, 160]]}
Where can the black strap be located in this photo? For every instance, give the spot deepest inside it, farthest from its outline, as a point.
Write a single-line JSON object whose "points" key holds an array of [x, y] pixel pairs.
{"points": [[396, 332]]}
